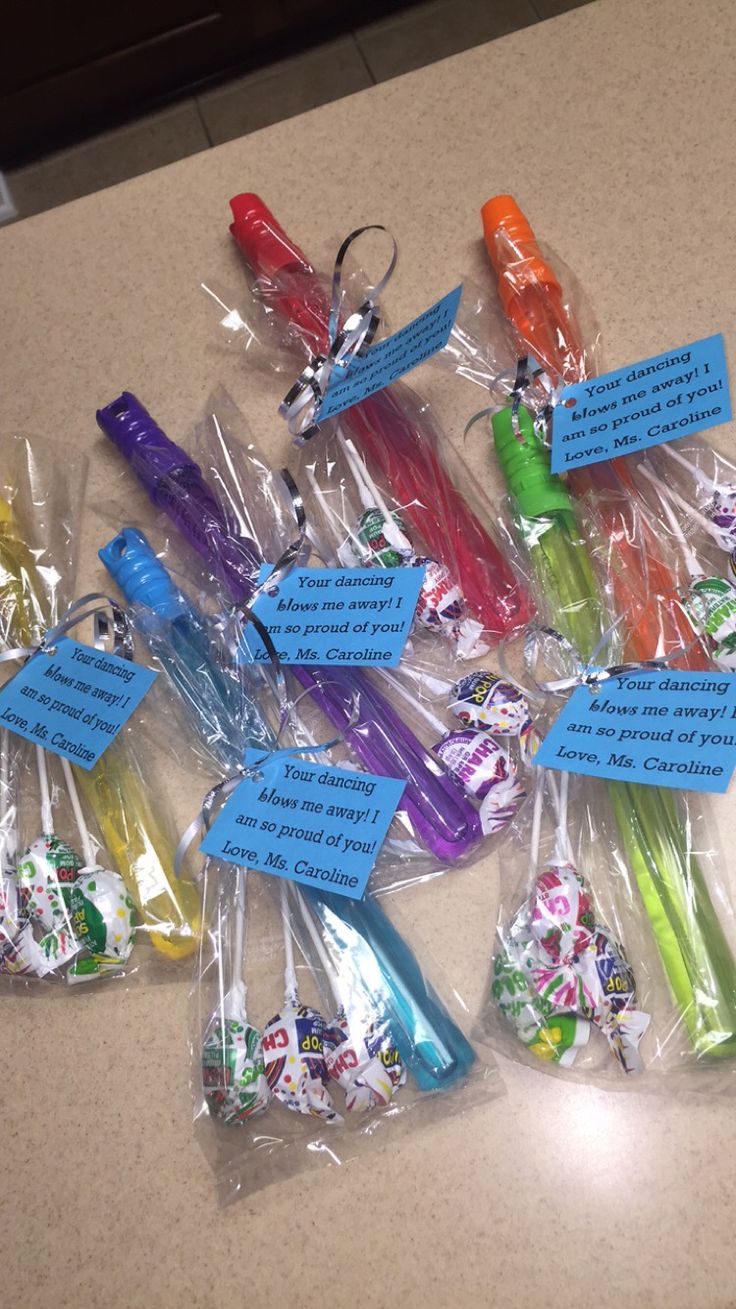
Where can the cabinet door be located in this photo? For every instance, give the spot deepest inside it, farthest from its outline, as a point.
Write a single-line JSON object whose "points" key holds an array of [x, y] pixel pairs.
{"points": [[71, 67]]}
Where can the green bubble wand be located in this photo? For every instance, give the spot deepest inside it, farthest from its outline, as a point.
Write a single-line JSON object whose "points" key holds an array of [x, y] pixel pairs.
{"points": [[653, 824]]}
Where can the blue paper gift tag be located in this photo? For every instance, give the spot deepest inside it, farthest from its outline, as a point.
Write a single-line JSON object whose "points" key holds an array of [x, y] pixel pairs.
{"points": [[641, 405], [662, 728], [390, 359], [75, 701], [319, 826], [346, 616]]}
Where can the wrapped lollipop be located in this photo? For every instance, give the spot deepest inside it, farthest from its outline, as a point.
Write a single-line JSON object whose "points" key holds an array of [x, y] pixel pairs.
{"points": [[359, 1052], [483, 768], [233, 1072], [710, 602], [483, 699], [101, 912], [19, 953], [48, 867], [293, 1044], [558, 969]]}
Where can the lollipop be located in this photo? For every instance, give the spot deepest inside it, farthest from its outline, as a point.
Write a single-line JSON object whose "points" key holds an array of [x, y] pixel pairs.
{"points": [[441, 607], [101, 912], [550, 1035], [561, 912], [359, 1052], [481, 766], [19, 952], [374, 533], [47, 866], [233, 1071], [293, 1045], [483, 700], [486, 770], [558, 968]]}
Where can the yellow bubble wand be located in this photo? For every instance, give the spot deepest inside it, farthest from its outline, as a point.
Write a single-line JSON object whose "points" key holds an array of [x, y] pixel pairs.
{"points": [[115, 788]]}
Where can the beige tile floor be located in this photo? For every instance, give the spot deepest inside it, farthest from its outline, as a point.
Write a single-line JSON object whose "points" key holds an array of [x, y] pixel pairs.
{"points": [[373, 53]]}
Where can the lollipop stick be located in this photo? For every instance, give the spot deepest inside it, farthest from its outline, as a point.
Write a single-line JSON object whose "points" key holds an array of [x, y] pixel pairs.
{"points": [[536, 822], [415, 703], [338, 525], [327, 965], [88, 849], [392, 531], [700, 477], [712, 529], [47, 813], [663, 492], [237, 984], [563, 848], [6, 815], [292, 990]]}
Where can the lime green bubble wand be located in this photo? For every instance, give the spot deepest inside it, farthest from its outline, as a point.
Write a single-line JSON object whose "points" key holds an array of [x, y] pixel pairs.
{"points": [[653, 826]]}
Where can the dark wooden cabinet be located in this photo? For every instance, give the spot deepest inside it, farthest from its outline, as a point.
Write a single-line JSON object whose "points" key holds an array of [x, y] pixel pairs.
{"points": [[71, 69]]}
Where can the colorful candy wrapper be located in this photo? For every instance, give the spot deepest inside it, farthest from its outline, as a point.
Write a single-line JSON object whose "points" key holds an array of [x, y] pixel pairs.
{"points": [[710, 604], [47, 866], [294, 1058], [556, 964], [375, 535], [482, 699], [441, 607], [293, 1043], [549, 1034], [102, 917], [562, 916], [368, 1070], [486, 770], [233, 1071]]}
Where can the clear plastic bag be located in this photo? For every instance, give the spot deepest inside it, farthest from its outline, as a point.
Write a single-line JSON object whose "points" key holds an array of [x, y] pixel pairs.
{"points": [[572, 982], [397, 437], [86, 853], [691, 490], [660, 836], [340, 1037], [344, 1042], [236, 513]]}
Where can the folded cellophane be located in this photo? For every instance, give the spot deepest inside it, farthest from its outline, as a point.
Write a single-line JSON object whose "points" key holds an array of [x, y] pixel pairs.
{"points": [[87, 854]]}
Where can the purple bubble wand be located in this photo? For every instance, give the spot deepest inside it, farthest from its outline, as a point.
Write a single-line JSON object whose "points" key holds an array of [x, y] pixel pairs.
{"points": [[443, 819]]}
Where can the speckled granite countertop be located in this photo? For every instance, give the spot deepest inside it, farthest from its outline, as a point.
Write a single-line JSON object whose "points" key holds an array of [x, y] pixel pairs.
{"points": [[613, 126]]}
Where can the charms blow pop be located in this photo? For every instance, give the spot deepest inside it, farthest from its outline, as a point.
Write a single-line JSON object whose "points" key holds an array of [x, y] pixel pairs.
{"points": [[486, 770], [557, 966], [101, 912], [550, 1035], [483, 700], [561, 916], [47, 866], [19, 952], [293, 1045], [441, 607], [368, 1071], [359, 1053], [233, 1072]]}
